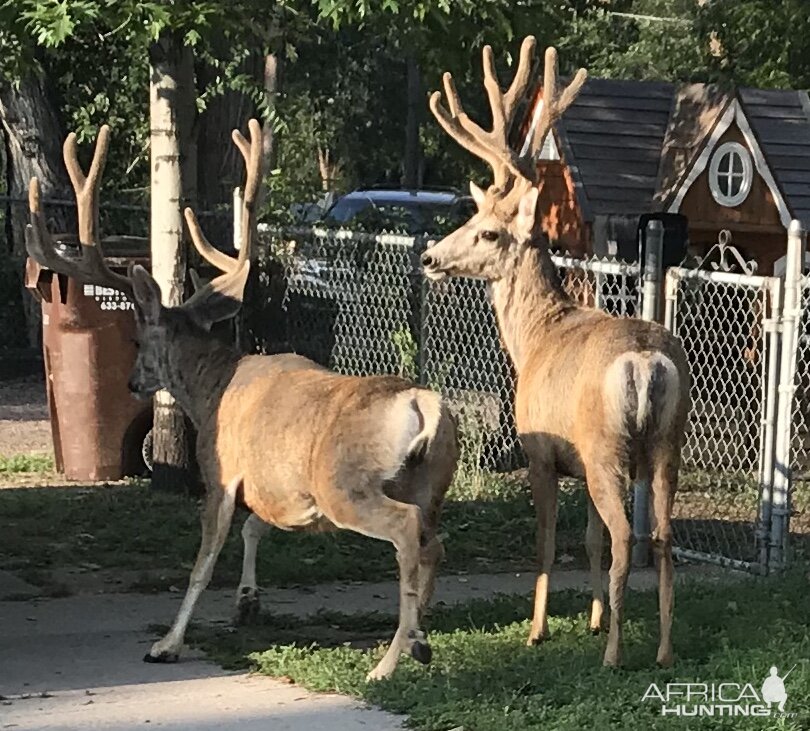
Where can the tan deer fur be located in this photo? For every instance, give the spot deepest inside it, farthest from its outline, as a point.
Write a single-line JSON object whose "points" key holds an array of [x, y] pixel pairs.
{"points": [[301, 447], [598, 397]]}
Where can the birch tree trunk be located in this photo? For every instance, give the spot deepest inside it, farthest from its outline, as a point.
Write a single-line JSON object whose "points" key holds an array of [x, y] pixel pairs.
{"points": [[173, 183]]}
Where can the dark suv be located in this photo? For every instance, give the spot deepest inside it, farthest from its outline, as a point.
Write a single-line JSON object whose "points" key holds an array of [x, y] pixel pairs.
{"points": [[402, 211]]}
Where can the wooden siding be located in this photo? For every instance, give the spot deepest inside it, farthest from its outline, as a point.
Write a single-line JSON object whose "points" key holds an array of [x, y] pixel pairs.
{"points": [[560, 215]]}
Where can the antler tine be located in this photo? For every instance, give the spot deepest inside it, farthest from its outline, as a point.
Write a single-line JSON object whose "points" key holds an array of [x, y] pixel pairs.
{"points": [[493, 89], [38, 242], [230, 284], [206, 250], [517, 89], [91, 268], [492, 147], [252, 154], [87, 187], [554, 105], [450, 122]]}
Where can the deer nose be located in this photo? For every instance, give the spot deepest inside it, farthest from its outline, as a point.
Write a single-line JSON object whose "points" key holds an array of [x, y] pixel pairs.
{"points": [[427, 260]]}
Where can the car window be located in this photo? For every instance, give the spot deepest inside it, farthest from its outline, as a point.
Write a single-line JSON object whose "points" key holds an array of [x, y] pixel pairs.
{"points": [[346, 209], [409, 216]]}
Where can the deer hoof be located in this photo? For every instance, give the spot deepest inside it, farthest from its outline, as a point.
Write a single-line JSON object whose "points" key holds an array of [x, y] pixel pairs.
{"points": [[422, 652], [163, 657], [611, 660], [248, 606], [665, 660]]}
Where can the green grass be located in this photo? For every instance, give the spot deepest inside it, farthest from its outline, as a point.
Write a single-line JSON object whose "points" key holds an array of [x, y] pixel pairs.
{"points": [[26, 463], [484, 678], [156, 535]]}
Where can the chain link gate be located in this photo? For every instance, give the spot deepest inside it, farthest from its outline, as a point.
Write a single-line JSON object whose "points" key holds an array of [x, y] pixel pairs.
{"points": [[725, 323], [799, 526]]}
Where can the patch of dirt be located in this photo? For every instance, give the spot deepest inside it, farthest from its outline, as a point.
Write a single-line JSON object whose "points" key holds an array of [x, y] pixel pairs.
{"points": [[24, 424]]}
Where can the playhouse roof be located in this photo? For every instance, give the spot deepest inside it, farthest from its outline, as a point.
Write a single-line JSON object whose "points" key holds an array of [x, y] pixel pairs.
{"points": [[630, 145]]}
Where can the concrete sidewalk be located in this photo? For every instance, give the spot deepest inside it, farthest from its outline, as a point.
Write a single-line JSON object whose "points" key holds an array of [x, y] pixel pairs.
{"points": [[75, 663]]}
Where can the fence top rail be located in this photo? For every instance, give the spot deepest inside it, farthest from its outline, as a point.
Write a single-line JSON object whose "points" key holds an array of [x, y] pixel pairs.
{"points": [[598, 266], [341, 234], [754, 281]]}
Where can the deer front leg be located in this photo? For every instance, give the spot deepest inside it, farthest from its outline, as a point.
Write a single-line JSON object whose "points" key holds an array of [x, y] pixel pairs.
{"points": [[216, 522], [247, 595], [544, 493], [373, 514]]}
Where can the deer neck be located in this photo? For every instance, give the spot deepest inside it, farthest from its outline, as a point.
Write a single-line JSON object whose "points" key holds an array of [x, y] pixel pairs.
{"points": [[199, 369], [529, 302]]}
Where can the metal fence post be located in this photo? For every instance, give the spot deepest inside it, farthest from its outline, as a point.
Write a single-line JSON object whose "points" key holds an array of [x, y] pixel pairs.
{"points": [[651, 294], [791, 320], [772, 338]]}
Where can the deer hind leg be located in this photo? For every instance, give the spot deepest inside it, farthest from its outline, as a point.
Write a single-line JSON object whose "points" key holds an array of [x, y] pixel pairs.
{"points": [[430, 556], [605, 488], [373, 514], [664, 485], [544, 493], [247, 595], [594, 536], [216, 518]]}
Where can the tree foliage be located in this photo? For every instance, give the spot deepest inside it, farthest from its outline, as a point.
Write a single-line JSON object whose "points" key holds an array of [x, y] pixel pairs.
{"points": [[343, 93]]}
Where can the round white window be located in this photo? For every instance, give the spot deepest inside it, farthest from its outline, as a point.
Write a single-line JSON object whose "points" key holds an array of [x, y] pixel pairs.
{"points": [[730, 174]]}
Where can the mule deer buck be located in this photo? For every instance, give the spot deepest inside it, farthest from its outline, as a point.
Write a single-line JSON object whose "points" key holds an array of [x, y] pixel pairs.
{"points": [[597, 397], [299, 446]]}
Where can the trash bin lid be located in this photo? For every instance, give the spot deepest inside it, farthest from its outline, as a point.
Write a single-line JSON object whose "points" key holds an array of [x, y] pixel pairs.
{"points": [[129, 247], [115, 247]]}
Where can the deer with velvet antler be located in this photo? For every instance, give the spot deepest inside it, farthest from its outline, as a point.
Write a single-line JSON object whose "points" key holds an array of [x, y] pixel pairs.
{"points": [[598, 397], [301, 447]]}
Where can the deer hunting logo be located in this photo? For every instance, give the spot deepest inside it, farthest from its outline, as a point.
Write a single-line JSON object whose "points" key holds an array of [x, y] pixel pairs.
{"points": [[723, 699]]}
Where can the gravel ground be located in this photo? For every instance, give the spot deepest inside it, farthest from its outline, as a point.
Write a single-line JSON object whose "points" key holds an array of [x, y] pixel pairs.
{"points": [[24, 425]]}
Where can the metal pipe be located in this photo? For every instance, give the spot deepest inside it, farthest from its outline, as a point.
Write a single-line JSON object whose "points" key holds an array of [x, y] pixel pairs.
{"points": [[651, 294], [772, 338], [791, 318]]}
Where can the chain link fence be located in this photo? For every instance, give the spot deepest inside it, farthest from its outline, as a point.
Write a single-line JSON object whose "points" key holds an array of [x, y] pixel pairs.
{"points": [[358, 303]]}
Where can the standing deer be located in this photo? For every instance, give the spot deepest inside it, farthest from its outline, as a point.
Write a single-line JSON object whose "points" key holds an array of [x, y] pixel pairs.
{"points": [[299, 446], [597, 397]]}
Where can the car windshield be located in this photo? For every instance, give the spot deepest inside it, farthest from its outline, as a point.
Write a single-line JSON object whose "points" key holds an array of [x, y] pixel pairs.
{"points": [[411, 216]]}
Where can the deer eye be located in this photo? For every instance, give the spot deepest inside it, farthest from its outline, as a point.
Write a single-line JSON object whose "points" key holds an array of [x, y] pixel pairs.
{"points": [[489, 235]]}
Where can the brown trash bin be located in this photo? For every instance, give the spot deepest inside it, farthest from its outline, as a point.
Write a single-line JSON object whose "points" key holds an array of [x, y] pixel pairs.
{"points": [[89, 348]]}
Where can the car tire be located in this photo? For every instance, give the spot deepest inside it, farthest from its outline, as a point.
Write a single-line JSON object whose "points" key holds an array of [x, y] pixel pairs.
{"points": [[146, 451]]}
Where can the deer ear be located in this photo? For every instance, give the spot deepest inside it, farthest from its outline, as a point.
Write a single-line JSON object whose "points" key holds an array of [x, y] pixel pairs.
{"points": [[218, 300], [477, 194], [527, 213], [147, 293]]}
